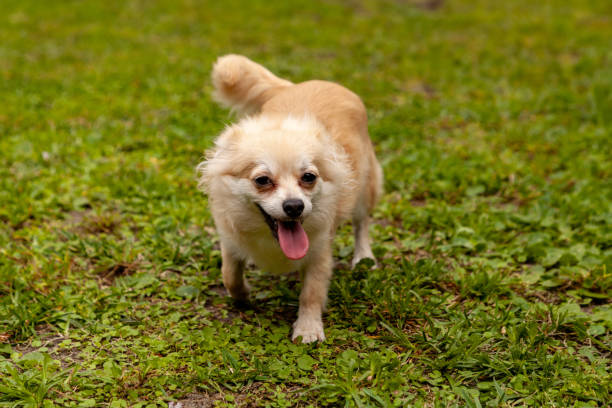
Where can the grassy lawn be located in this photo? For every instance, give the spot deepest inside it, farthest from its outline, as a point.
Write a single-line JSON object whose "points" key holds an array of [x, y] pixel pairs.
{"points": [[493, 122]]}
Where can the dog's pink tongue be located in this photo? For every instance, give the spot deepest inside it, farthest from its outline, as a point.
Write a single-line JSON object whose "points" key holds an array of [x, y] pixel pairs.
{"points": [[292, 239]]}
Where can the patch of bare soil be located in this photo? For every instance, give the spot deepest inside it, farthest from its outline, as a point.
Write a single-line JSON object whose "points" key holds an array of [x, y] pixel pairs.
{"points": [[196, 400], [250, 396], [89, 222], [108, 275], [51, 340], [430, 5]]}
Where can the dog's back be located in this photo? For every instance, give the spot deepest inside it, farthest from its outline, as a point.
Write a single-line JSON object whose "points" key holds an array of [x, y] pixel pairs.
{"points": [[249, 88]]}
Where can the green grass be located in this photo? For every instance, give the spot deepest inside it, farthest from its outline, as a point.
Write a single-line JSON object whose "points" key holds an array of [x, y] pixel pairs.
{"points": [[493, 122]]}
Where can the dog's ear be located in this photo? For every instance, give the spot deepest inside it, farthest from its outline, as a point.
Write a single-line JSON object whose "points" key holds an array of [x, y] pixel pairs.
{"points": [[219, 158], [332, 162], [227, 140], [336, 175]]}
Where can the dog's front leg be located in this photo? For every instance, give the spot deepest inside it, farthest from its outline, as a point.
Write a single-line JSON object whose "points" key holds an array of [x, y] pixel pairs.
{"points": [[232, 269], [309, 324]]}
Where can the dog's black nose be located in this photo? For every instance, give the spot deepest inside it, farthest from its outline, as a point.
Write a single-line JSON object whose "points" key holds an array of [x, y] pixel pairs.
{"points": [[293, 207]]}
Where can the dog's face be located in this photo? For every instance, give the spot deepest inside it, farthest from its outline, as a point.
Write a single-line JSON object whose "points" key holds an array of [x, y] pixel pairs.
{"points": [[284, 187], [281, 173]]}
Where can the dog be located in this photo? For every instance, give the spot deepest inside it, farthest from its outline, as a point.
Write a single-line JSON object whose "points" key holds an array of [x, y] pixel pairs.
{"points": [[282, 179]]}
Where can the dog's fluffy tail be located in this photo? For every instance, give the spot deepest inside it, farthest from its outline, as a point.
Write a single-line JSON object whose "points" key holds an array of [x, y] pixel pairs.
{"points": [[243, 85]]}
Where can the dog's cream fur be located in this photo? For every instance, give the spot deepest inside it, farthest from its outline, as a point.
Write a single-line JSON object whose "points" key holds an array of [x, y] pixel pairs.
{"points": [[288, 129]]}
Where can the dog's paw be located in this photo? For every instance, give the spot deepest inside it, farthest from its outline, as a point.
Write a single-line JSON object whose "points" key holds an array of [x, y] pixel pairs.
{"points": [[309, 329], [359, 257]]}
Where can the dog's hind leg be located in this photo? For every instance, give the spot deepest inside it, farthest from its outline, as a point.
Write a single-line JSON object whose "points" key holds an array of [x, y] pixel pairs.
{"points": [[361, 222], [361, 214], [232, 269]]}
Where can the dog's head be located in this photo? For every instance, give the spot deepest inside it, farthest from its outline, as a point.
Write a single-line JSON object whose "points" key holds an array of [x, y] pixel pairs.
{"points": [[284, 172]]}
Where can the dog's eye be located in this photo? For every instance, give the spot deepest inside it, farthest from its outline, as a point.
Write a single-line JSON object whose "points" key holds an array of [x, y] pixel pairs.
{"points": [[263, 181], [308, 178]]}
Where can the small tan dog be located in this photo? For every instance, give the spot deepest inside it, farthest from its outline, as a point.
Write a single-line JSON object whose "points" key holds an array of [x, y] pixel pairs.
{"points": [[283, 178]]}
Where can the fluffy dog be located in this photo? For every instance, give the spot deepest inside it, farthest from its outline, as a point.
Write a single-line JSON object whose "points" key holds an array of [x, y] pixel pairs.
{"points": [[281, 180]]}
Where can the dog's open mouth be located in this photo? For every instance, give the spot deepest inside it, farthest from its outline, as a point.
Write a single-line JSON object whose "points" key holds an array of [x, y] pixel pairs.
{"points": [[290, 235]]}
